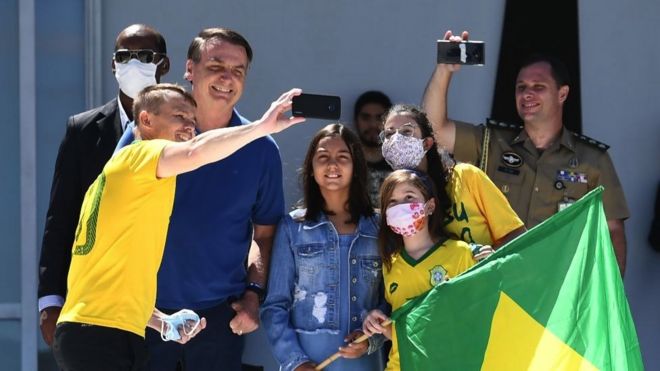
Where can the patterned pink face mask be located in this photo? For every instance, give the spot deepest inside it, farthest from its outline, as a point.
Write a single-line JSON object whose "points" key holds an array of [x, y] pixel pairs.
{"points": [[406, 219]]}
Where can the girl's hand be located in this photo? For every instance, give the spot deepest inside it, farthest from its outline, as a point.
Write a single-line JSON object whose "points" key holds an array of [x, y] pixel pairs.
{"points": [[307, 366], [372, 324], [354, 350], [483, 252]]}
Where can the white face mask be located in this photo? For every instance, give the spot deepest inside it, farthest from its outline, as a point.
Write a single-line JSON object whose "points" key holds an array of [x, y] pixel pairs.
{"points": [[403, 152], [135, 76]]}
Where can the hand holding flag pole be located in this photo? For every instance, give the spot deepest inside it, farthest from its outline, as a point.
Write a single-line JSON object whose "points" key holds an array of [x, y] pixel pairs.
{"points": [[334, 357]]}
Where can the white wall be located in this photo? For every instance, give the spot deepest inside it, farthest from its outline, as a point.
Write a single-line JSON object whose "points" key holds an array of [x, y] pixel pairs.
{"points": [[620, 56], [344, 47]]}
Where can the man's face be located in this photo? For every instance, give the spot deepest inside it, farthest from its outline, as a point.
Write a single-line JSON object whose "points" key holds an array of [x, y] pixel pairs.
{"points": [[136, 38], [174, 121], [538, 97], [369, 123], [219, 77]]}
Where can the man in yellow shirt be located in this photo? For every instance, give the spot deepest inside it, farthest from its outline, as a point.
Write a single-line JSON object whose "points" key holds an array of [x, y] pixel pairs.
{"points": [[120, 237]]}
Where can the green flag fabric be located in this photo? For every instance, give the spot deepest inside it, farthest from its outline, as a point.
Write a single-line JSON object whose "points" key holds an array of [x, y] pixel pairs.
{"points": [[552, 299]]}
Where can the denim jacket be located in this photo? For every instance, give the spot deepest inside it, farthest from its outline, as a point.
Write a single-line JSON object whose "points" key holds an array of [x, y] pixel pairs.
{"points": [[304, 282]]}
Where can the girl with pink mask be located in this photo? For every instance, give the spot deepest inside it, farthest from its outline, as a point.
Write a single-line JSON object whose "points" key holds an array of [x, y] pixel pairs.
{"points": [[417, 254]]}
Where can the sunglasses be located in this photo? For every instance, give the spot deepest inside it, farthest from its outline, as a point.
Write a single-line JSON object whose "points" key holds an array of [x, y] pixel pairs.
{"points": [[142, 55]]}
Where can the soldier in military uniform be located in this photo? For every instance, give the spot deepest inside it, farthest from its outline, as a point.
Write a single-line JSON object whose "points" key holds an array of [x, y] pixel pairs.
{"points": [[541, 167]]}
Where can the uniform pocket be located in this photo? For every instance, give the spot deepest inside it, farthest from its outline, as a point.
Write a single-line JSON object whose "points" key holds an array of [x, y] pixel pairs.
{"points": [[574, 190]]}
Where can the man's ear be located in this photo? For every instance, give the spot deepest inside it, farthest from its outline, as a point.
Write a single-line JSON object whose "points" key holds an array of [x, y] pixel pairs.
{"points": [[144, 119], [428, 143], [188, 74], [114, 69], [163, 68], [563, 93]]}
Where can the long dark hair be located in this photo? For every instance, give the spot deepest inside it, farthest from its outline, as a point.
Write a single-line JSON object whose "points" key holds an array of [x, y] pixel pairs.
{"points": [[358, 203], [438, 161], [390, 243]]}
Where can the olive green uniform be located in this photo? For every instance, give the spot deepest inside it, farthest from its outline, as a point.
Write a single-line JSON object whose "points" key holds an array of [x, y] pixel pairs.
{"points": [[540, 183]]}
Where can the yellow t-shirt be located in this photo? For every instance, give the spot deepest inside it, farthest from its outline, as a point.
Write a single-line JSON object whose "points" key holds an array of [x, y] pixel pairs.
{"points": [[479, 213], [409, 278], [119, 242]]}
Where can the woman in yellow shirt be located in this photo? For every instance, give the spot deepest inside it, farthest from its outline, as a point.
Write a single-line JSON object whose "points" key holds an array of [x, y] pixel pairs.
{"points": [[477, 212]]}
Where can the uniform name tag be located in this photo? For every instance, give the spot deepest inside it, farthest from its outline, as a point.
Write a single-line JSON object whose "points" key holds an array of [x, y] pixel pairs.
{"points": [[562, 205], [508, 170]]}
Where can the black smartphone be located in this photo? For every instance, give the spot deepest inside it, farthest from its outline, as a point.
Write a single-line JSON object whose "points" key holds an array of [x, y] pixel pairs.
{"points": [[464, 52], [326, 107]]}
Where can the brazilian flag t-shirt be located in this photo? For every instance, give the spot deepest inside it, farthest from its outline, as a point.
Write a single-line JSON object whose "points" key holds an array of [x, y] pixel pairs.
{"points": [[119, 242]]}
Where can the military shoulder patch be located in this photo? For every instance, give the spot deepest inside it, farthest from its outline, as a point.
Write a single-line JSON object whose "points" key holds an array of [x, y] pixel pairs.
{"points": [[502, 125], [585, 139]]}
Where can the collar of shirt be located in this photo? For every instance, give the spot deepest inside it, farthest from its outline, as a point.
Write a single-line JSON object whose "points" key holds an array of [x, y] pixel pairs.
{"points": [[567, 140], [123, 117]]}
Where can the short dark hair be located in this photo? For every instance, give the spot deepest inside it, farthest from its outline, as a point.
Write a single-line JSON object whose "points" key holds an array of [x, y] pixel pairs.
{"points": [[371, 96], [152, 97], [220, 33], [359, 203], [146, 30], [438, 161], [390, 243], [558, 69]]}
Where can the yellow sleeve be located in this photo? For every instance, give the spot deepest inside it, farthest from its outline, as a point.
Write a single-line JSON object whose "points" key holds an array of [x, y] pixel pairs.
{"points": [[462, 258], [142, 159], [500, 217]]}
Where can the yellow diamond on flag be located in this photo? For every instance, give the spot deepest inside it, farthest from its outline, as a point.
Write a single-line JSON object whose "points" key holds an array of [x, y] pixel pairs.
{"points": [[518, 342]]}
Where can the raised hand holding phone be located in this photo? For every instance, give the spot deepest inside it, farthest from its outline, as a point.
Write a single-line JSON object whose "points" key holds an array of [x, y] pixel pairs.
{"points": [[326, 107], [455, 50]]}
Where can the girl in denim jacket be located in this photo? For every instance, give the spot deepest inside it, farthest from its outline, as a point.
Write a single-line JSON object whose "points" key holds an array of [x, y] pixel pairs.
{"points": [[325, 271]]}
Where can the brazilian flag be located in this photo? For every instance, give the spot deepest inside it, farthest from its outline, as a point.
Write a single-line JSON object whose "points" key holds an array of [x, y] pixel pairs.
{"points": [[552, 299]]}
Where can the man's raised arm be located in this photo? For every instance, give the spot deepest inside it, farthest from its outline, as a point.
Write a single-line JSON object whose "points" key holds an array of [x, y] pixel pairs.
{"points": [[434, 101]]}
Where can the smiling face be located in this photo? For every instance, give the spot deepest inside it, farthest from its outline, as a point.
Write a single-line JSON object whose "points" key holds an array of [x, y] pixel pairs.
{"points": [[538, 98], [332, 165], [173, 120], [218, 78]]}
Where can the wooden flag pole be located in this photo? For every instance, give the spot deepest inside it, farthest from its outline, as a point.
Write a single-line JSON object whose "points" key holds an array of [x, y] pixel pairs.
{"points": [[334, 357]]}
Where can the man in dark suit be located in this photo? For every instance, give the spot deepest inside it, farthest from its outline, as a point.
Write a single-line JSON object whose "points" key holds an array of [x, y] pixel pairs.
{"points": [[139, 60]]}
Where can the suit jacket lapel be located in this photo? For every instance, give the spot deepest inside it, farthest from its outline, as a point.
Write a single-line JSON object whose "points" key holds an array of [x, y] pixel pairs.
{"points": [[110, 124]]}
